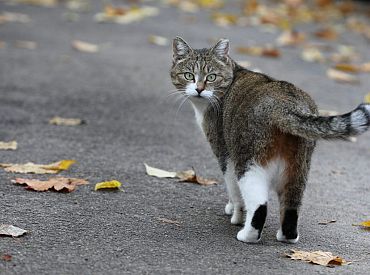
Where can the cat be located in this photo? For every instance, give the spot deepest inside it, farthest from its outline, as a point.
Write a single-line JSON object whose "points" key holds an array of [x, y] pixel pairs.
{"points": [[263, 132]]}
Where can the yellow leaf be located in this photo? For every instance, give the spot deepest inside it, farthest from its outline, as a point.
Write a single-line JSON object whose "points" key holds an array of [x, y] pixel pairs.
{"points": [[367, 98], [317, 257], [113, 184], [33, 168], [65, 121], [365, 224], [345, 67], [11, 145]]}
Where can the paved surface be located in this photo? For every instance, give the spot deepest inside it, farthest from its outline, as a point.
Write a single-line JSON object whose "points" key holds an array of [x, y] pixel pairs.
{"points": [[120, 92]]}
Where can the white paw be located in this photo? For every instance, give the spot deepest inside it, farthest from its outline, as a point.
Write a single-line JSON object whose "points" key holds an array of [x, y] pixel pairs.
{"points": [[237, 217], [229, 208], [281, 238], [248, 235]]}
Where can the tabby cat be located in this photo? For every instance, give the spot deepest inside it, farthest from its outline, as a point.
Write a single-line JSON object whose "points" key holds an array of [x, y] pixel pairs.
{"points": [[263, 132]]}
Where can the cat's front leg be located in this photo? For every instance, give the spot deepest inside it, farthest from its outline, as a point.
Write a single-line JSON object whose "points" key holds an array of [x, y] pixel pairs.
{"points": [[235, 205], [254, 186]]}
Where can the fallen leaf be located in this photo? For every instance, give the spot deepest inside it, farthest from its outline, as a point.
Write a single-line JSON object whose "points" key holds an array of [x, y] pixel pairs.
{"points": [[158, 40], [11, 145], [113, 184], [159, 173], [11, 230], [327, 222], [245, 64], [6, 257], [345, 67], [317, 257], [224, 19], [344, 54], [365, 67], [312, 54], [44, 3], [184, 176], [328, 113], [367, 98], [56, 183], [267, 51], [164, 220], [66, 121], [365, 224], [14, 17], [30, 45], [2, 43], [327, 34], [341, 76], [33, 168], [191, 176], [291, 38], [122, 15], [85, 46]]}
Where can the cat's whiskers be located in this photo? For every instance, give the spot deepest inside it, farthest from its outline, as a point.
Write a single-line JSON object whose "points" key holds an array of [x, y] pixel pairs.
{"points": [[182, 103]]}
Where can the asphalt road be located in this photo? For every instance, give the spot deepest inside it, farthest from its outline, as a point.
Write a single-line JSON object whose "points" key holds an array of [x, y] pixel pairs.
{"points": [[120, 92]]}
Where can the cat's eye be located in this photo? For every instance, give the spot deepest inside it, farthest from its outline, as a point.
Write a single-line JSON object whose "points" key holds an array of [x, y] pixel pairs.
{"points": [[211, 77], [189, 76]]}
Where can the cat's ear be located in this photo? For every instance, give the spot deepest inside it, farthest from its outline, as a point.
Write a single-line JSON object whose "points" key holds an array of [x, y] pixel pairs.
{"points": [[180, 48], [221, 49]]}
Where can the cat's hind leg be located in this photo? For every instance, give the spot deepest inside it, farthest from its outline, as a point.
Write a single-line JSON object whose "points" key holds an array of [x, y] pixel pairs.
{"points": [[235, 205], [290, 193], [254, 186]]}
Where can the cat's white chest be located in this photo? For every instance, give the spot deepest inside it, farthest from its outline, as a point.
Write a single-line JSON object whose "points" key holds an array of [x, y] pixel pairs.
{"points": [[199, 107]]}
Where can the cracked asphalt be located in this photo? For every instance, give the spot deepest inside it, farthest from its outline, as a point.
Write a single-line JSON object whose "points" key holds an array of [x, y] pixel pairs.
{"points": [[121, 93]]}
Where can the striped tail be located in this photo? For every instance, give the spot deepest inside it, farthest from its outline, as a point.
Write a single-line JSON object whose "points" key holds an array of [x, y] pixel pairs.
{"points": [[332, 127]]}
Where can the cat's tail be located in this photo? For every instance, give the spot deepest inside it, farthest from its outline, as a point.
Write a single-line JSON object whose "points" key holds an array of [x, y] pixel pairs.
{"points": [[332, 127]]}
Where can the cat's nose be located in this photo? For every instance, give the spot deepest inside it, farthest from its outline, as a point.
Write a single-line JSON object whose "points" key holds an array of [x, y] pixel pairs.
{"points": [[199, 90]]}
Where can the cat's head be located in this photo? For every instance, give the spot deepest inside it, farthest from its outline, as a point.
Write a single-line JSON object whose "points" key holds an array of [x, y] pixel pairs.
{"points": [[201, 73]]}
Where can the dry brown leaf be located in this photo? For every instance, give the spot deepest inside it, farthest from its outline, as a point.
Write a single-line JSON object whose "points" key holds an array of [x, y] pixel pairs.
{"points": [[327, 222], [23, 44], [345, 67], [6, 257], [33, 168], [66, 121], [291, 38], [85, 46], [260, 51], [317, 257], [184, 176], [158, 40], [11, 145], [164, 220], [327, 33], [365, 67], [11, 230], [56, 183], [341, 77], [191, 176]]}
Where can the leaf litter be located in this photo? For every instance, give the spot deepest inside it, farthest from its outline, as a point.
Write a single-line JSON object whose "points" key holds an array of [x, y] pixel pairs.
{"points": [[10, 145], [85, 47], [317, 257], [55, 183], [183, 176], [11, 230], [125, 15], [32, 168]]}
